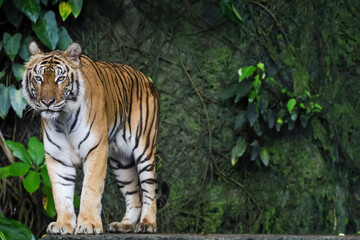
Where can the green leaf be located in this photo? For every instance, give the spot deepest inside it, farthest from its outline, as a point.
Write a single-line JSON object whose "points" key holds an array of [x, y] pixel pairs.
{"points": [[49, 204], [257, 129], [269, 117], [294, 115], [246, 72], [304, 119], [18, 71], [5, 172], [11, 44], [31, 8], [46, 30], [17, 101], [251, 96], [12, 229], [252, 113], [32, 182], [257, 84], [263, 101], [242, 90], [236, 13], [261, 66], [64, 10], [2, 235], [36, 151], [2, 73], [255, 150], [318, 107], [5, 99], [227, 9], [45, 176], [240, 119], [19, 151], [238, 150], [19, 169], [24, 49], [64, 39], [291, 104], [45, 2], [1, 2], [14, 16], [229, 92], [76, 6], [265, 157]]}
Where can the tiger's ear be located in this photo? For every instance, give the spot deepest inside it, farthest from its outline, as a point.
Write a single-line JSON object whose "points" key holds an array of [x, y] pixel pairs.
{"points": [[34, 49], [73, 52]]}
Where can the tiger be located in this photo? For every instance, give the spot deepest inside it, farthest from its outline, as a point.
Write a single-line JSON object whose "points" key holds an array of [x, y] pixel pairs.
{"points": [[95, 113]]}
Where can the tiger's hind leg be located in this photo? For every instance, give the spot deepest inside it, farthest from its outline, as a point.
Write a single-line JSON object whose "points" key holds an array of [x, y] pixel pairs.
{"points": [[127, 180]]}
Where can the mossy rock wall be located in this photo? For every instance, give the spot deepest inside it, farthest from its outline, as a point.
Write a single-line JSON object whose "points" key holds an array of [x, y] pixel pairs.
{"points": [[192, 52], [189, 49]]}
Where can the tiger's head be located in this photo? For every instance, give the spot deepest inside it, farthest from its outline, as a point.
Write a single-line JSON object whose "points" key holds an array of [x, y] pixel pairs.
{"points": [[52, 82]]}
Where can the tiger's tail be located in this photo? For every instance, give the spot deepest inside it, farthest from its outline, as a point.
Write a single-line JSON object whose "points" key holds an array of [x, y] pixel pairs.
{"points": [[165, 191]]}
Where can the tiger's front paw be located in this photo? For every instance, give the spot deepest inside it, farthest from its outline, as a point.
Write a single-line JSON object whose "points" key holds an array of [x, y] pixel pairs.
{"points": [[120, 227], [145, 227], [60, 228], [89, 227]]}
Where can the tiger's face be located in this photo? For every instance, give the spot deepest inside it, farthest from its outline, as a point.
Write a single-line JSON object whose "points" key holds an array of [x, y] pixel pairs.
{"points": [[52, 81]]}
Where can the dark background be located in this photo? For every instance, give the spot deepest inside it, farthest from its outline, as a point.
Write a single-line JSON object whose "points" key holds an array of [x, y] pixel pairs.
{"points": [[311, 184]]}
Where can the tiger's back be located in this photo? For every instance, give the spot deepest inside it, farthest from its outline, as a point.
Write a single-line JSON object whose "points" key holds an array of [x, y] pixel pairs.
{"points": [[92, 111]]}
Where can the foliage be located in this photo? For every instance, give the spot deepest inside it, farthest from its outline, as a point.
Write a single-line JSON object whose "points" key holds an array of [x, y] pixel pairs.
{"points": [[15, 44], [264, 104], [22, 22], [311, 183], [33, 167], [11, 229]]}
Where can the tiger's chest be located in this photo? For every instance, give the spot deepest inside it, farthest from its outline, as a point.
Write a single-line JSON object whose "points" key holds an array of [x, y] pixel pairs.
{"points": [[70, 136]]}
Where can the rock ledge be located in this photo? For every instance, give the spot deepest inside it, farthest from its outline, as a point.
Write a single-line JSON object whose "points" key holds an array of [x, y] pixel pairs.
{"points": [[197, 237]]}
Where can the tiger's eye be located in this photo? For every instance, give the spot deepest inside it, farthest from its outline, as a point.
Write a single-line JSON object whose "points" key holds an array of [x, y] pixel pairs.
{"points": [[38, 79], [60, 79]]}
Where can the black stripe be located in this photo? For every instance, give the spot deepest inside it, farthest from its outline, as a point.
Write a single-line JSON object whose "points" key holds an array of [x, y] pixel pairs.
{"points": [[75, 121], [147, 113], [148, 157], [69, 178], [59, 161], [88, 133], [148, 181], [114, 127], [66, 184], [51, 141], [124, 182], [92, 149], [119, 165], [46, 58], [131, 193], [152, 199], [147, 168], [73, 95]]}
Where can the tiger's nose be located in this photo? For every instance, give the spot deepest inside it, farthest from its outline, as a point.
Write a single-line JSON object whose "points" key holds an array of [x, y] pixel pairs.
{"points": [[48, 102]]}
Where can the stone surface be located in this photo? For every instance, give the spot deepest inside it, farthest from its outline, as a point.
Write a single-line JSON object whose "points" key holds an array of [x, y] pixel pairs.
{"points": [[197, 237]]}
